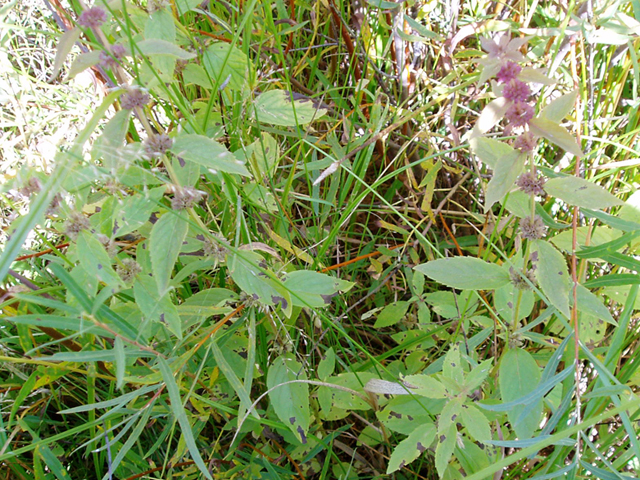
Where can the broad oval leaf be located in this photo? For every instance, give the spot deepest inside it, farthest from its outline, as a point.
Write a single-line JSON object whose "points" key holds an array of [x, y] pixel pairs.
{"points": [[491, 115], [489, 150], [580, 192], [589, 303], [314, 289], [465, 273], [556, 134], [290, 400], [392, 314], [165, 242], [155, 46], [505, 173], [208, 153], [476, 423], [519, 375], [277, 107], [227, 65], [411, 447], [560, 107], [553, 275]]}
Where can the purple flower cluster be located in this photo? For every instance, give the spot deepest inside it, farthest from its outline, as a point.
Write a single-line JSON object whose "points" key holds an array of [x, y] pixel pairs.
{"points": [[134, 97], [109, 59], [157, 145], [93, 17]]}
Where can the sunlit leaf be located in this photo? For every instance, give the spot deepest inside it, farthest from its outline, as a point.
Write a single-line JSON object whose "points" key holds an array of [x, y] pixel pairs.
{"points": [[208, 153], [466, 273], [165, 242], [556, 134], [553, 275], [580, 192], [277, 107]]}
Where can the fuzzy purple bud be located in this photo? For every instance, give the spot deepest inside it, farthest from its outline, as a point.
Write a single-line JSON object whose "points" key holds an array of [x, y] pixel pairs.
{"points": [[526, 142], [516, 91], [531, 184], [93, 17], [532, 228], [508, 72], [110, 60], [519, 114], [157, 145], [134, 97]]}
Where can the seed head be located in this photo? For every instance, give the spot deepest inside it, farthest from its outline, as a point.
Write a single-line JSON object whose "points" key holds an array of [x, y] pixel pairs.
{"points": [[531, 184], [532, 228], [157, 145], [134, 97], [75, 224], [111, 60]]}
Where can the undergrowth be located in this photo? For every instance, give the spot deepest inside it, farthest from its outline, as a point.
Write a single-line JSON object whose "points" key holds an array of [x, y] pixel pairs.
{"points": [[320, 239]]}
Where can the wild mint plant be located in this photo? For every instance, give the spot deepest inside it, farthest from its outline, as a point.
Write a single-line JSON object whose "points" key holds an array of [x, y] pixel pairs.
{"points": [[467, 424]]}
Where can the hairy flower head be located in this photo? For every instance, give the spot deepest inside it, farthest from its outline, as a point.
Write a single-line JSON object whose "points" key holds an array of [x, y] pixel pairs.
{"points": [[93, 17], [532, 228]]}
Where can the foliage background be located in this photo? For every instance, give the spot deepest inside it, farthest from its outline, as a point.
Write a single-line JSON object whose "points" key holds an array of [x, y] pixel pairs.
{"points": [[107, 374]]}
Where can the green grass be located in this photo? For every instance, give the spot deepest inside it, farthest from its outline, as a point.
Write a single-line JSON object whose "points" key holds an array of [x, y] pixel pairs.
{"points": [[234, 338]]}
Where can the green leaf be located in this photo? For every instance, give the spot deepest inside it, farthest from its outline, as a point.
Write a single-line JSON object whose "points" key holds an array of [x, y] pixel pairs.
{"points": [[108, 147], [157, 308], [560, 107], [195, 74], [165, 242], [590, 303], [276, 107], [67, 41], [327, 365], [452, 365], [506, 299], [490, 151], [476, 423], [555, 134], [465, 273], [425, 386], [155, 46], [256, 282], [553, 275], [392, 314], [491, 115], [580, 192], [95, 260], [208, 153], [519, 375], [505, 173], [290, 401], [608, 247], [53, 321], [82, 62], [613, 280], [411, 447], [132, 212], [181, 416], [266, 155], [446, 444], [120, 361], [227, 65]]}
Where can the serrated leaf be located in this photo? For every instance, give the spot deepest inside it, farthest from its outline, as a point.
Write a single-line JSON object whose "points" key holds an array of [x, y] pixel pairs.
{"points": [[479, 373], [411, 447], [580, 192], [165, 242], [156, 46], [476, 423], [290, 401], [589, 303], [489, 150], [560, 107], [392, 314], [95, 260], [425, 386], [465, 273], [518, 376], [248, 270], [556, 134], [505, 173], [276, 107], [446, 444], [553, 275], [227, 65], [314, 289], [208, 153]]}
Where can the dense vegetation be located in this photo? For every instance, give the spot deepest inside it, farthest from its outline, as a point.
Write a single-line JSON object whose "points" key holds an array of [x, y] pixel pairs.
{"points": [[321, 239]]}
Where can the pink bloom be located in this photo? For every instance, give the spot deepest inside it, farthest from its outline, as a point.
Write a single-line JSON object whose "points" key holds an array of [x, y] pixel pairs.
{"points": [[509, 71], [92, 17], [519, 114], [516, 91], [505, 48]]}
